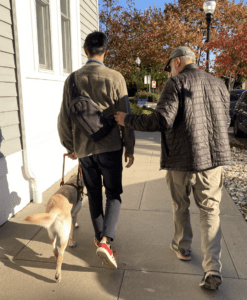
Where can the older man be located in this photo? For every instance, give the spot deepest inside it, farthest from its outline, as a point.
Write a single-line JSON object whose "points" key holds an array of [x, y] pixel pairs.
{"points": [[193, 117]]}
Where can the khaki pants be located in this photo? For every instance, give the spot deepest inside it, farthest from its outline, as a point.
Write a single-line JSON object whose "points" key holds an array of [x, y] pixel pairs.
{"points": [[207, 188]]}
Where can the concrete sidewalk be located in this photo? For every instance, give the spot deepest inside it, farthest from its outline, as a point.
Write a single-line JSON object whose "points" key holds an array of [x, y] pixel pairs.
{"points": [[147, 268]]}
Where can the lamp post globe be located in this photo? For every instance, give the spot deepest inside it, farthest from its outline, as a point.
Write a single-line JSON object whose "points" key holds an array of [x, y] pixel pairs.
{"points": [[138, 62], [209, 7]]}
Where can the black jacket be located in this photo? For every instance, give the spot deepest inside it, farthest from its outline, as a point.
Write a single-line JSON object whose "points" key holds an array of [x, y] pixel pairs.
{"points": [[193, 117]]}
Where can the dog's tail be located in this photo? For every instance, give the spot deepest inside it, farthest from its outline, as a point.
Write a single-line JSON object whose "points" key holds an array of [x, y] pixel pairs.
{"points": [[44, 219]]}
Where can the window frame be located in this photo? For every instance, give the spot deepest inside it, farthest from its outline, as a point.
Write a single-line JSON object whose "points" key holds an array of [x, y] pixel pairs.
{"points": [[46, 22], [66, 38], [244, 98]]}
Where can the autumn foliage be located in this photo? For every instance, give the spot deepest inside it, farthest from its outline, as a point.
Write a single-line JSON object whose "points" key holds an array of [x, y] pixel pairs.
{"points": [[154, 33], [132, 34], [230, 49]]}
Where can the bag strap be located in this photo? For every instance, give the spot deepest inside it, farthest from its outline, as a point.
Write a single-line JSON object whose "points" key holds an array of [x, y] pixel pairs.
{"points": [[72, 87], [79, 186], [75, 93]]}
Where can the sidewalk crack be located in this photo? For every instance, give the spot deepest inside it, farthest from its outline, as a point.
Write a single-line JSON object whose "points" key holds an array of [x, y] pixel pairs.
{"points": [[121, 285], [142, 195], [230, 255]]}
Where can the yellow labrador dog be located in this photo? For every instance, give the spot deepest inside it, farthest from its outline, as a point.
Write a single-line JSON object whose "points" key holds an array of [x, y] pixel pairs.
{"points": [[60, 218]]}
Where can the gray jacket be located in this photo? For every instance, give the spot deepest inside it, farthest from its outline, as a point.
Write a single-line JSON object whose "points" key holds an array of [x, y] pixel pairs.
{"points": [[193, 117], [105, 87]]}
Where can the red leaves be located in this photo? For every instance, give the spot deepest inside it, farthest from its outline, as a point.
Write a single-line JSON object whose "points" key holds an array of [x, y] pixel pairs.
{"points": [[231, 46]]}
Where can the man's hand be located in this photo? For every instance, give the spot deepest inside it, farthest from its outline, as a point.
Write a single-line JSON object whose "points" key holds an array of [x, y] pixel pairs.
{"points": [[131, 160], [72, 155], [119, 117]]}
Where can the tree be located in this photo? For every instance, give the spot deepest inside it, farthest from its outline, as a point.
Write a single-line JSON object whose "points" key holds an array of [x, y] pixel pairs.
{"points": [[154, 34], [159, 77], [131, 34], [230, 49], [186, 24]]}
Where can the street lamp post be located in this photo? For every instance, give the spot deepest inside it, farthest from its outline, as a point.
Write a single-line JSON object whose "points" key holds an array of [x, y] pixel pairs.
{"points": [[138, 61], [209, 8]]}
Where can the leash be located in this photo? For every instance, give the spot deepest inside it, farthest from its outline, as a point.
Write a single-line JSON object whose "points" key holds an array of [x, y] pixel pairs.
{"points": [[79, 186]]}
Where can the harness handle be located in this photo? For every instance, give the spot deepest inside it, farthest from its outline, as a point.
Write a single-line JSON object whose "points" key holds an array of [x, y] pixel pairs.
{"points": [[79, 182], [62, 182]]}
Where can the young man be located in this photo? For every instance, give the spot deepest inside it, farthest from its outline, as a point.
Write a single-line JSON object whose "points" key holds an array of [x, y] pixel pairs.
{"points": [[193, 117], [107, 88]]}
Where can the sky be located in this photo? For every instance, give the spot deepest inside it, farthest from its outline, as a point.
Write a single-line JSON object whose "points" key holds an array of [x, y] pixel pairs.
{"points": [[143, 4]]}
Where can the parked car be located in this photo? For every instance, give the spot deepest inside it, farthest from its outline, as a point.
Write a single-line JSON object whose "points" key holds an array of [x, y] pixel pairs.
{"points": [[234, 97], [240, 115]]}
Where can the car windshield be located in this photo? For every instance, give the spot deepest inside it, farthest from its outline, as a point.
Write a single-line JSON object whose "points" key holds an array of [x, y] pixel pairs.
{"points": [[235, 95]]}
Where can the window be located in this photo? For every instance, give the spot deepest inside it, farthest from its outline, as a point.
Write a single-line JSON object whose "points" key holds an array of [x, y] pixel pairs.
{"points": [[244, 99], [66, 44], [44, 34], [235, 95]]}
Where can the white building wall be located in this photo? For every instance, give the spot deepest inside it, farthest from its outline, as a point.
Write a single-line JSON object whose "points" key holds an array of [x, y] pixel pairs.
{"points": [[14, 188], [42, 90], [42, 95]]}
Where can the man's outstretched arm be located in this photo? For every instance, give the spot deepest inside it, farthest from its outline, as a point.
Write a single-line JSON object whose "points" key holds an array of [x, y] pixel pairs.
{"points": [[161, 119]]}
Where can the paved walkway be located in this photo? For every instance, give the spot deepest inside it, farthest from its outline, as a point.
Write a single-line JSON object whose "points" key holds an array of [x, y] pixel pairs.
{"points": [[148, 269]]}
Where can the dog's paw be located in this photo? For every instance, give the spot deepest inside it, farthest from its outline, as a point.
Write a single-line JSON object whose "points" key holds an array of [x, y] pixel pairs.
{"points": [[55, 253], [58, 277], [72, 244], [77, 225]]}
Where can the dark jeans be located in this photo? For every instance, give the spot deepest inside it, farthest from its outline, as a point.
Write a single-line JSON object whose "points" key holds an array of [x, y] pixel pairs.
{"points": [[109, 166]]}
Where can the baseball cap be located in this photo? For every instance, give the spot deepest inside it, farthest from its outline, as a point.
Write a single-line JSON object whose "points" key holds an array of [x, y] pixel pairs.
{"points": [[180, 51]]}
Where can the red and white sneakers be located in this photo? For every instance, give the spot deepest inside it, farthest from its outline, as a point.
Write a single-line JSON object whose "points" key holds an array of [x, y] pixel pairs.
{"points": [[96, 242], [106, 254]]}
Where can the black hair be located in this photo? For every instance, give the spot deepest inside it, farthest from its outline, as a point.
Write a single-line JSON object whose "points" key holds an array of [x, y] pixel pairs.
{"points": [[96, 43]]}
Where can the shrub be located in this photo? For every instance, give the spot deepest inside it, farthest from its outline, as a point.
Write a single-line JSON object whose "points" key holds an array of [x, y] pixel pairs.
{"points": [[152, 97], [155, 97], [132, 100], [142, 95], [137, 110]]}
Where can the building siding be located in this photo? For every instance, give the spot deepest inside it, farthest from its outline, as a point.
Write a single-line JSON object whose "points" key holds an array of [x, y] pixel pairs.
{"points": [[5, 13], [89, 21], [6, 3], [5, 30], [7, 75], [10, 137]]}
